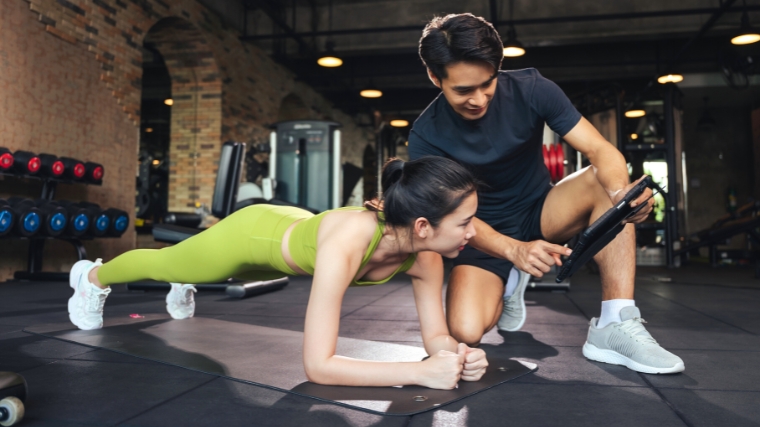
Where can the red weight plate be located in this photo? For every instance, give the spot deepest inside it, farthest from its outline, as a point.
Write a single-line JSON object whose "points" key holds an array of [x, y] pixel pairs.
{"points": [[57, 168], [560, 162], [33, 165], [97, 173], [552, 164], [546, 157], [79, 170], [6, 160]]}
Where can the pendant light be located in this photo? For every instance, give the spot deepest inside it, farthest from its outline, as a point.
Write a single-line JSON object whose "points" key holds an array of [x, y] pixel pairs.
{"points": [[747, 34], [670, 78], [329, 58], [370, 91], [636, 111], [512, 48]]}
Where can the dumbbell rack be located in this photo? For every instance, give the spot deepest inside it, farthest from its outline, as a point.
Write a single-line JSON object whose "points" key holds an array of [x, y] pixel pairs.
{"points": [[37, 243]]}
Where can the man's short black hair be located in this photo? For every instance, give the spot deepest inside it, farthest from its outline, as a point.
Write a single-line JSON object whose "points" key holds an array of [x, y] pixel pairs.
{"points": [[459, 37]]}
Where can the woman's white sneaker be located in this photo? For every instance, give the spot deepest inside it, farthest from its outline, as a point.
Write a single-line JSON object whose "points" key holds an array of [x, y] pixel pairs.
{"points": [[629, 344], [180, 301], [86, 305]]}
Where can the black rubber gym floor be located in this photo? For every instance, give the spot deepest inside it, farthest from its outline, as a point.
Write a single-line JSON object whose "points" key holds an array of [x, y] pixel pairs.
{"points": [[709, 317]]}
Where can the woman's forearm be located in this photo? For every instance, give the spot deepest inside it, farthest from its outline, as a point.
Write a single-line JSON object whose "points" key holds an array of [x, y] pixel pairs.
{"points": [[340, 370], [441, 342]]}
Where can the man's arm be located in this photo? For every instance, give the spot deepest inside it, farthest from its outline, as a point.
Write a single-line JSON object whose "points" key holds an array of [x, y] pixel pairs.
{"points": [[419, 147], [609, 166], [534, 258], [608, 162]]}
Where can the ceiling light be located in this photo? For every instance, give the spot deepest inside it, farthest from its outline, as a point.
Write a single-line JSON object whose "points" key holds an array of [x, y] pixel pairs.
{"points": [[169, 101], [747, 34], [745, 39], [330, 59], [156, 162], [148, 130], [399, 123], [370, 91], [632, 114], [669, 78], [634, 136], [513, 47]]}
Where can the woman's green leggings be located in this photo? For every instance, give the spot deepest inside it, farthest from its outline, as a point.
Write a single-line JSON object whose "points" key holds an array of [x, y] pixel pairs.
{"points": [[245, 245]]}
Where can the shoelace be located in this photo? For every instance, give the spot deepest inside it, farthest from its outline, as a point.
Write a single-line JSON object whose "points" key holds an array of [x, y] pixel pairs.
{"points": [[511, 306], [186, 294], [635, 328], [96, 300]]}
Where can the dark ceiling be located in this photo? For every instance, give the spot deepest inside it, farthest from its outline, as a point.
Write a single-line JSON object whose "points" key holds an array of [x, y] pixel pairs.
{"points": [[580, 45]]}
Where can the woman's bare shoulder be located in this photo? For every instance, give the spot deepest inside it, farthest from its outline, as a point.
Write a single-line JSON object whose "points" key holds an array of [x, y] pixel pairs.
{"points": [[349, 225]]}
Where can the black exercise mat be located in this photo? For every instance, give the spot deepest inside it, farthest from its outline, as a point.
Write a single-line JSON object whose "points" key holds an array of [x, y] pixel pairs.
{"points": [[272, 358]]}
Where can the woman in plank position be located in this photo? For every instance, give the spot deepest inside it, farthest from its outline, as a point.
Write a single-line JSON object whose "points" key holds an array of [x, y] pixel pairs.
{"points": [[426, 211]]}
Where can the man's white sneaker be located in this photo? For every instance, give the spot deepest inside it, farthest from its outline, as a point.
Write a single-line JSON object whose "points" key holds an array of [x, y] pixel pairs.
{"points": [[629, 344], [180, 301], [86, 305], [513, 314]]}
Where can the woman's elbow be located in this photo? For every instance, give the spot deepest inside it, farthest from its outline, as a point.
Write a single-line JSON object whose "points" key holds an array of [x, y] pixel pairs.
{"points": [[317, 372]]}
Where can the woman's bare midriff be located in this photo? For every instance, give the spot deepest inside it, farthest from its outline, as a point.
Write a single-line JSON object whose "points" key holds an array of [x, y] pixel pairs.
{"points": [[286, 250]]}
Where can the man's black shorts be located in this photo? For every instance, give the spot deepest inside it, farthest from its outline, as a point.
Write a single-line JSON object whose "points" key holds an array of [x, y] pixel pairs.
{"points": [[527, 230]]}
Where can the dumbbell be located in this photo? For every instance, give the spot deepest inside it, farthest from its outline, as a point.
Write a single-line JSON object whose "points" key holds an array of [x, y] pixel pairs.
{"points": [[99, 221], [52, 166], [94, 172], [26, 163], [74, 169], [28, 217], [7, 218], [79, 220], [13, 391], [54, 217], [119, 221], [6, 159]]}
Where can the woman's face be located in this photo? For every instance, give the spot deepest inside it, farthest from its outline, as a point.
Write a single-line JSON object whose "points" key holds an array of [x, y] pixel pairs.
{"points": [[455, 230]]}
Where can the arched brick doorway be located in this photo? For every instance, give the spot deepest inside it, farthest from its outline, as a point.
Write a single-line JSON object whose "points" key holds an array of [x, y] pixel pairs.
{"points": [[292, 107], [196, 116]]}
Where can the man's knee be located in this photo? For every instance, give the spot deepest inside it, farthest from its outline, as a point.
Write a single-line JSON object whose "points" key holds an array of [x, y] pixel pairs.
{"points": [[601, 198], [469, 333]]}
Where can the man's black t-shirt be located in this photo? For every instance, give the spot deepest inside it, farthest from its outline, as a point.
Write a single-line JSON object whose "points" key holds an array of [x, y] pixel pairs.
{"points": [[504, 147]]}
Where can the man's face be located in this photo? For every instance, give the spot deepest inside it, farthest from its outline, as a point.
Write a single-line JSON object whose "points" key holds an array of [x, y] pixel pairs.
{"points": [[469, 88]]}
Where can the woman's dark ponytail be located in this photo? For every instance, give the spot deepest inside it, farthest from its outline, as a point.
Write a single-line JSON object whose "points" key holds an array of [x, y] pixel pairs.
{"points": [[430, 187], [392, 172]]}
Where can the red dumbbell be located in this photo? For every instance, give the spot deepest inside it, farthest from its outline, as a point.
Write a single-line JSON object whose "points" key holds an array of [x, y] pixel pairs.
{"points": [[51, 166], [26, 162], [94, 172], [74, 169], [6, 159]]}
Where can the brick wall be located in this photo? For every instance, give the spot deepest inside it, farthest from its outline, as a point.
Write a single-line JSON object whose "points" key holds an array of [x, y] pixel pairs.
{"points": [[76, 91], [52, 100], [253, 85]]}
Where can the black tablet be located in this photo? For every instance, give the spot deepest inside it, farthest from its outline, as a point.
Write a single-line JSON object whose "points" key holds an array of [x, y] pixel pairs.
{"points": [[602, 231]]}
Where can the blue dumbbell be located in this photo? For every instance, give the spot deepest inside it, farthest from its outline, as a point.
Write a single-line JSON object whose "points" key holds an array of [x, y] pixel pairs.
{"points": [[7, 218]]}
